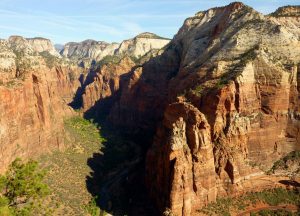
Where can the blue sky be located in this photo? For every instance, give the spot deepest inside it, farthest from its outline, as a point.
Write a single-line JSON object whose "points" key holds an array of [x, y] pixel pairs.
{"points": [[109, 20]]}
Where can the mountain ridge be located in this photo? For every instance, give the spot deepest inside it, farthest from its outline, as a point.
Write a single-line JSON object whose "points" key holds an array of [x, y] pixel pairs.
{"points": [[220, 101]]}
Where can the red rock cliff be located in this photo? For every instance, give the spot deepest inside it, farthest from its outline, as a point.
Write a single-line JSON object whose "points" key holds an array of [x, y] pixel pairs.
{"points": [[226, 93], [33, 104]]}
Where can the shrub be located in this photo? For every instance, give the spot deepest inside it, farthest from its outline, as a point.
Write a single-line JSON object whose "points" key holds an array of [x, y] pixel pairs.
{"points": [[22, 188], [50, 60], [272, 197], [24, 181], [281, 163], [92, 207]]}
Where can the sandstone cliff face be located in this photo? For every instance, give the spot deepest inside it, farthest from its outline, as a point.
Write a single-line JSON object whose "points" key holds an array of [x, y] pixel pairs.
{"points": [[105, 84], [33, 102], [90, 49], [101, 85], [43, 45], [141, 44], [30, 45], [226, 92]]}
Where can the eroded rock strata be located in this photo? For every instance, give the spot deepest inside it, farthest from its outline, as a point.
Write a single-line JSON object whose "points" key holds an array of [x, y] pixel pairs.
{"points": [[226, 93], [222, 100], [37, 85], [33, 98]]}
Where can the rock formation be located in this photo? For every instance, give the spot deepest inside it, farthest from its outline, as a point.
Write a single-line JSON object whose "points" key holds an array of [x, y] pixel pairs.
{"points": [[89, 50], [34, 99], [105, 85], [30, 45], [222, 99], [141, 44], [226, 93]]}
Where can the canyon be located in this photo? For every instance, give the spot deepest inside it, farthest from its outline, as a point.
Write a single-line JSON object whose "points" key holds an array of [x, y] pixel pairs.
{"points": [[213, 109]]}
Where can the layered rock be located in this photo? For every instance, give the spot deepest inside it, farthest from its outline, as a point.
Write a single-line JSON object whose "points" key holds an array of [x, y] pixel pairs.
{"points": [[34, 101], [100, 87], [104, 85], [89, 49], [43, 45], [30, 45], [141, 44], [226, 93]]}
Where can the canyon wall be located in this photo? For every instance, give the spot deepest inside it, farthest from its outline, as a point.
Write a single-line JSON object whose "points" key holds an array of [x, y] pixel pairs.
{"points": [[224, 99], [37, 85], [34, 100]]}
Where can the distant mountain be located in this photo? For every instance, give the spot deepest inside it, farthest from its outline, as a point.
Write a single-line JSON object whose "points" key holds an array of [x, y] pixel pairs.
{"points": [[97, 50], [58, 47], [36, 44]]}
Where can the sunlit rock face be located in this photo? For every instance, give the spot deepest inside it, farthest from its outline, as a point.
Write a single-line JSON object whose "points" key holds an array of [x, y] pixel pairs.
{"points": [[30, 45], [34, 97], [224, 94], [88, 49], [91, 50], [141, 44]]}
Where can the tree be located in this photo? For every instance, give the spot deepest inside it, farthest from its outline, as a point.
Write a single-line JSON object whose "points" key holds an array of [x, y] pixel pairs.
{"points": [[24, 181], [21, 188]]}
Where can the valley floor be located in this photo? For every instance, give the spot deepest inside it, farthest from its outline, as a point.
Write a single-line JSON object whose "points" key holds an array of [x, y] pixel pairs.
{"points": [[68, 170], [98, 164]]}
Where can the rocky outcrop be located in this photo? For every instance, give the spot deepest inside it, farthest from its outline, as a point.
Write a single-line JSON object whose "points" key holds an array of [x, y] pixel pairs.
{"points": [[226, 93], [43, 45], [104, 85], [100, 87], [34, 101], [141, 44], [88, 49], [287, 11], [30, 45], [183, 160]]}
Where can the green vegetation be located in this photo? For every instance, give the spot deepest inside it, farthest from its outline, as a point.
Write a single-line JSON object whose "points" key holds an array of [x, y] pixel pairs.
{"points": [[22, 63], [282, 163], [272, 197], [282, 11], [50, 60], [114, 59], [280, 212], [236, 69], [93, 209], [22, 190], [198, 90], [83, 130], [69, 169], [151, 36]]}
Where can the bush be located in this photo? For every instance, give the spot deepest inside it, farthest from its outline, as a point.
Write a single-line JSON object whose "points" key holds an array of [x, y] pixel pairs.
{"points": [[272, 197], [50, 60], [281, 163], [92, 207], [21, 188]]}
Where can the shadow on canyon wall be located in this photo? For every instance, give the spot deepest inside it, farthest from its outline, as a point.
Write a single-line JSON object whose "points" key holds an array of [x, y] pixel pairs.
{"points": [[117, 177]]}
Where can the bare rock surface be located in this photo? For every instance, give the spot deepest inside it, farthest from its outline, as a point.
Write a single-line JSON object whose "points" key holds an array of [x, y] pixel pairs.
{"points": [[34, 90], [225, 91]]}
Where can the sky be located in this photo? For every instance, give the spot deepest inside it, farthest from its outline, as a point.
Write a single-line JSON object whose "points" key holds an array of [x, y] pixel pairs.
{"points": [[107, 20]]}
